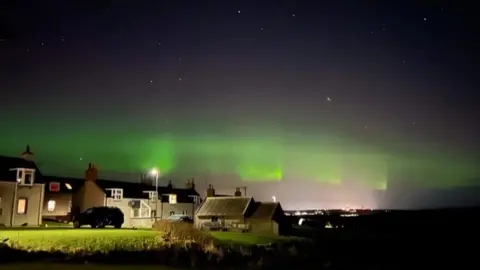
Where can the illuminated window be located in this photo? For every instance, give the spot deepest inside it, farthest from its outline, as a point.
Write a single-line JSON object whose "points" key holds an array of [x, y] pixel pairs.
{"points": [[51, 205], [68, 185], [172, 199], [22, 206]]}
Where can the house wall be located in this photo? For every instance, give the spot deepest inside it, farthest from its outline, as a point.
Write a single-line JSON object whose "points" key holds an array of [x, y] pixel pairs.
{"points": [[62, 204], [229, 222], [7, 193], [147, 222], [11, 193], [89, 195], [264, 226]]}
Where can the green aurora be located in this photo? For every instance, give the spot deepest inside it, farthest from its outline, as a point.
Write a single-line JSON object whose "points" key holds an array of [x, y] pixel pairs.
{"points": [[264, 157]]}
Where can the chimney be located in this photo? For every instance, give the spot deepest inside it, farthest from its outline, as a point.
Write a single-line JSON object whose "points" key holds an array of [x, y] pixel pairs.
{"points": [[210, 191], [190, 184], [238, 193], [91, 174], [27, 154]]}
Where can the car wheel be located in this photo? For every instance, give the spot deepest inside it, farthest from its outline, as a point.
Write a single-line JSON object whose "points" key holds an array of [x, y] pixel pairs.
{"points": [[76, 224]]}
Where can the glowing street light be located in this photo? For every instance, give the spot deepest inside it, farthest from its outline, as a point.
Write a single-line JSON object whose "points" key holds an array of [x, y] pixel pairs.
{"points": [[155, 172], [274, 199]]}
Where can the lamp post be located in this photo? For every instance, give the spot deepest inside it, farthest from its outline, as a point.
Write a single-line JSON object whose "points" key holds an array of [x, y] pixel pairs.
{"points": [[155, 173]]}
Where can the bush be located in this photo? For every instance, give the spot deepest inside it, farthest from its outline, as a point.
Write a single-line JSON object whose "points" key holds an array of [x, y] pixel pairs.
{"points": [[174, 232]]}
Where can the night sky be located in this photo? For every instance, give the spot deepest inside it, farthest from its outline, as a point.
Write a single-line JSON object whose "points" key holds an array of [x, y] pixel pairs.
{"points": [[339, 93]]}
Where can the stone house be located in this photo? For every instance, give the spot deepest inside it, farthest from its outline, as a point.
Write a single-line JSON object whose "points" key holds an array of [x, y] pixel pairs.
{"points": [[21, 195], [138, 201], [241, 214]]}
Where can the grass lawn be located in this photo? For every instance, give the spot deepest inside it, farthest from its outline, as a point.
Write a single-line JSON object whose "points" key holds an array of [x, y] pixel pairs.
{"points": [[68, 239], [48, 266]]}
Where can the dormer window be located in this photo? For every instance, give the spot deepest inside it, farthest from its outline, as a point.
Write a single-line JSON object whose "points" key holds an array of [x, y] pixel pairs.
{"points": [[152, 195], [25, 176], [117, 194], [172, 199]]}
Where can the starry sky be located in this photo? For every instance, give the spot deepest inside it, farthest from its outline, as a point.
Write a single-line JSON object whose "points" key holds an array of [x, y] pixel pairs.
{"points": [[332, 92]]}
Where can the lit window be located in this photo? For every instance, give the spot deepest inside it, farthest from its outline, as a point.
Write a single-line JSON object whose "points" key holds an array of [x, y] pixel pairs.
{"points": [[117, 194], [172, 199], [140, 209], [68, 185], [22, 206], [51, 205]]}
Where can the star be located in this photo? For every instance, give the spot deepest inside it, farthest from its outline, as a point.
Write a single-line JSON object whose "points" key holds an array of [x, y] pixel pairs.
{"points": [[81, 158], [293, 15], [159, 44], [151, 81], [261, 28], [42, 43], [329, 99], [425, 18], [365, 127], [404, 61], [62, 39], [180, 78], [239, 11]]}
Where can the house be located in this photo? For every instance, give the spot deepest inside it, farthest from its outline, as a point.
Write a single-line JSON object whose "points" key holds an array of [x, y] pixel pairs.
{"points": [[238, 213], [138, 201], [21, 196], [37, 196]]}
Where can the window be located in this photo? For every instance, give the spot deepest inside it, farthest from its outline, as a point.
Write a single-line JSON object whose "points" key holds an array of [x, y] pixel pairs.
{"points": [[51, 205], [54, 187], [140, 209], [153, 213], [117, 194], [25, 176], [152, 195], [172, 199], [22, 206], [69, 207], [172, 213]]}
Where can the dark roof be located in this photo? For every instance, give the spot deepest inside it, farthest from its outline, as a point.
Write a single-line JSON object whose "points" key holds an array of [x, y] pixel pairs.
{"points": [[224, 206], [136, 190], [75, 183], [8, 163], [264, 210]]}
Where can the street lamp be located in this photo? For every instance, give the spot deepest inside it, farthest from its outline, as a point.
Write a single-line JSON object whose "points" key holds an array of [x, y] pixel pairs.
{"points": [[155, 172]]}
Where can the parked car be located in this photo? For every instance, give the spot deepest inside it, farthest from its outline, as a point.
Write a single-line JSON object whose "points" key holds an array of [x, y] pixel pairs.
{"points": [[99, 217], [180, 218]]}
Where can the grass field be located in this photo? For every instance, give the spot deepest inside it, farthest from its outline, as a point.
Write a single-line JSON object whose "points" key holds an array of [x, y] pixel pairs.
{"points": [[104, 240], [67, 239]]}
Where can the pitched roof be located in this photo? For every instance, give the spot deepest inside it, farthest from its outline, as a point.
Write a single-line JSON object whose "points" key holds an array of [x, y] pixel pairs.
{"points": [[74, 183], [224, 206], [264, 210], [8, 163]]}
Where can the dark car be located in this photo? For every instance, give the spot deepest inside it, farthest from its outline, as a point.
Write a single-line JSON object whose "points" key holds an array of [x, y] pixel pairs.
{"points": [[99, 217], [180, 218]]}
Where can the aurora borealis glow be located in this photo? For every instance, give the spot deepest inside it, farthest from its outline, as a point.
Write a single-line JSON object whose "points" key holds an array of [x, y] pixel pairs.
{"points": [[290, 98]]}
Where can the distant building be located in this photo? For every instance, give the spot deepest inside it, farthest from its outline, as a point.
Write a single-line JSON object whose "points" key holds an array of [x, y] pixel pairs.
{"points": [[238, 213], [58, 198]]}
